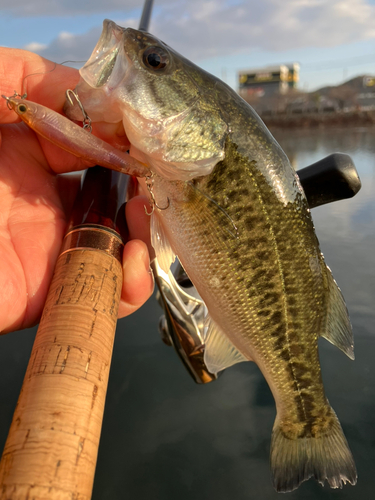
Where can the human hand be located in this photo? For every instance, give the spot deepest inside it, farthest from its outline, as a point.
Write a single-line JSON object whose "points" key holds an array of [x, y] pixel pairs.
{"points": [[35, 202]]}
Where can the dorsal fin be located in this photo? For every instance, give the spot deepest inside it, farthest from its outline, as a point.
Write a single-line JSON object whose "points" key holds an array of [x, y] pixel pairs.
{"points": [[160, 243], [219, 351], [338, 329]]}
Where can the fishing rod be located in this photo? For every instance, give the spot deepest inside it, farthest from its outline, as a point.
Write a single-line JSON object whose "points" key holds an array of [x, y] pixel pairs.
{"points": [[52, 445]]}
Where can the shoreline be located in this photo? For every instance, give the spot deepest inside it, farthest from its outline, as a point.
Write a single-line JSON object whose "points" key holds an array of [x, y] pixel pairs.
{"points": [[320, 120]]}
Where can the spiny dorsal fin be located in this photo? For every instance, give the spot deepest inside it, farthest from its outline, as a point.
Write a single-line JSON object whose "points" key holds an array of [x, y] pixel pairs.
{"points": [[219, 351], [338, 329], [160, 243]]}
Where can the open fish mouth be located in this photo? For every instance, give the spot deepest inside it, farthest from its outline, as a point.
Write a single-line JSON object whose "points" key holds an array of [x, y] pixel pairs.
{"points": [[107, 64], [100, 77]]}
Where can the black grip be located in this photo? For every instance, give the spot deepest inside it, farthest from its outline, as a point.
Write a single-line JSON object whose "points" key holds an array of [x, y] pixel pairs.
{"points": [[331, 179]]}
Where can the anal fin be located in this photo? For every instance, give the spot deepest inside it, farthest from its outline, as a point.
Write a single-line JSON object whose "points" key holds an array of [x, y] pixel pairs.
{"points": [[219, 351]]}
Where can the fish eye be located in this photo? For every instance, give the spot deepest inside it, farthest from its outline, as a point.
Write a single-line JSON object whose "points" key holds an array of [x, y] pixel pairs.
{"points": [[155, 58], [22, 108]]}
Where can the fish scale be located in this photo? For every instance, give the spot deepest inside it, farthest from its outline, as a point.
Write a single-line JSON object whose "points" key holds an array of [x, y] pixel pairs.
{"points": [[253, 274]]}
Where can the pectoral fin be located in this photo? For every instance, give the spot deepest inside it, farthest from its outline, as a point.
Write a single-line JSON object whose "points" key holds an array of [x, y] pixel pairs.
{"points": [[338, 329], [219, 352], [196, 135]]}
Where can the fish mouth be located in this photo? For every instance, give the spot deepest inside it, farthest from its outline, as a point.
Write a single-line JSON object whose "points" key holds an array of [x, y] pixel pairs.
{"points": [[100, 77], [99, 95], [107, 63]]}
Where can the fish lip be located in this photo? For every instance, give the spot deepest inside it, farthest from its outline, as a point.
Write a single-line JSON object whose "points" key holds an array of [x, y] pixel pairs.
{"points": [[101, 75], [99, 69], [109, 26]]}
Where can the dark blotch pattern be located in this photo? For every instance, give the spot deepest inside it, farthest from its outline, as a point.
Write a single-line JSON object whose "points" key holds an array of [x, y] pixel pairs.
{"points": [[269, 242]]}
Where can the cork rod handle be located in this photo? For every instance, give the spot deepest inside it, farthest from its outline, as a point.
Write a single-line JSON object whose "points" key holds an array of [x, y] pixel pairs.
{"points": [[51, 450]]}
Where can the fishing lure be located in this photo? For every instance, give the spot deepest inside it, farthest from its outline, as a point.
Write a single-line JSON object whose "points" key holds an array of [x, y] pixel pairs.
{"points": [[72, 138]]}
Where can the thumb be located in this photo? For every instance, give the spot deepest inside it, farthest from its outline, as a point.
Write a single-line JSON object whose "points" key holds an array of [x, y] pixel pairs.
{"points": [[44, 81]]}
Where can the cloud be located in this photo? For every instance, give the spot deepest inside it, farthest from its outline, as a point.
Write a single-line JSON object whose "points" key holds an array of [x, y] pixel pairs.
{"points": [[215, 28], [69, 47], [32, 8], [222, 28], [35, 46]]}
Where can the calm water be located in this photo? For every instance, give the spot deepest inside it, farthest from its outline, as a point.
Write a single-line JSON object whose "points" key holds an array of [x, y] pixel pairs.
{"points": [[165, 437]]}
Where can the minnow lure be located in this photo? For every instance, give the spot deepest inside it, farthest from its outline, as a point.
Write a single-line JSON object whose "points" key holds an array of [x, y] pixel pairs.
{"points": [[72, 138]]}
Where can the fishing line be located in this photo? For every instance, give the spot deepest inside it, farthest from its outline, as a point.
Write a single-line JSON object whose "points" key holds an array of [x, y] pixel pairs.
{"points": [[45, 72], [74, 62], [219, 207]]}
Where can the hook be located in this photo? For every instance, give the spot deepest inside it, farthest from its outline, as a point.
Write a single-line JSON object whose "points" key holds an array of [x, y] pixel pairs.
{"points": [[16, 94], [86, 119], [150, 184]]}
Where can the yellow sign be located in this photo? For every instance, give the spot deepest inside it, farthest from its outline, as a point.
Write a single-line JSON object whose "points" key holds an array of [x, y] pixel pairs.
{"points": [[369, 81]]}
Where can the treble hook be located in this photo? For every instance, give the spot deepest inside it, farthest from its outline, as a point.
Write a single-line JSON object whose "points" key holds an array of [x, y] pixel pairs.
{"points": [[16, 94], [86, 119], [150, 184]]}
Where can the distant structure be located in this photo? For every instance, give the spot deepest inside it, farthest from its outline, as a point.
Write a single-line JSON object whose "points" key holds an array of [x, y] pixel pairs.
{"points": [[352, 101], [268, 81]]}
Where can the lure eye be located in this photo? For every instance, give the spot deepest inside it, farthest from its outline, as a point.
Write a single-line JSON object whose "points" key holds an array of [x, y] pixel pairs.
{"points": [[155, 58], [22, 108]]}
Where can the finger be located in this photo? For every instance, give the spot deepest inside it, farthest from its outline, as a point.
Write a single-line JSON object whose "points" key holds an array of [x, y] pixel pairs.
{"points": [[138, 221], [138, 283], [49, 159], [62, 161], [46, 83]]}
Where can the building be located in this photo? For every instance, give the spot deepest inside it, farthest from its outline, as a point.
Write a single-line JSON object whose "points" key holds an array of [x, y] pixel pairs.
{"points": [[268, 81]]}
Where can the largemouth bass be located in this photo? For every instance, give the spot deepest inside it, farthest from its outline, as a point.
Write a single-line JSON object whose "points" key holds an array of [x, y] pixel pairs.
{"points": [[237, 218]]}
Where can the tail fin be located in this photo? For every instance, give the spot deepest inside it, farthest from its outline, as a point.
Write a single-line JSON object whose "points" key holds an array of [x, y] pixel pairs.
{"points": [[326, 457]]}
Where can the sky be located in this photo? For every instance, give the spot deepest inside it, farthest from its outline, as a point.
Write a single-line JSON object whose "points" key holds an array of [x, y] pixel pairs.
{"points": [[332, 40]]}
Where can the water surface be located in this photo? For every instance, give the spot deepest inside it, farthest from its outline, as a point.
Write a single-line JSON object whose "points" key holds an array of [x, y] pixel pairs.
{"points": [[165, 437]]}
